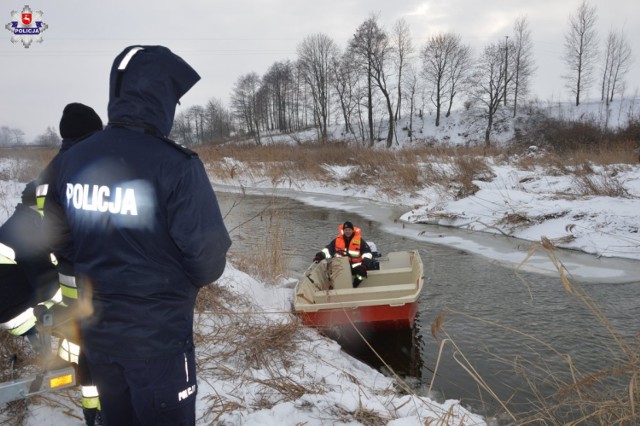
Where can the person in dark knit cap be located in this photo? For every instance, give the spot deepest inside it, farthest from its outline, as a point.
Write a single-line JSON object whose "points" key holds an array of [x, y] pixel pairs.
{"points": [[349, 243], [78, 121]]}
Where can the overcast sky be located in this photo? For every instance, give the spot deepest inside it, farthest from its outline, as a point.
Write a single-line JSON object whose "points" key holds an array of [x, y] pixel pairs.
{"points": [[224, 40]]}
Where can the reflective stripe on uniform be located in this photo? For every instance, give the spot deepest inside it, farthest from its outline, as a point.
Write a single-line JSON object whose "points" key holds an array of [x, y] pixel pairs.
{"points": [[56, 299], [68, 286], [41, 194], [7, 255], [21, 323], [69, 351], [90, 402], [69, 292], [89, 392], [354, 253]]}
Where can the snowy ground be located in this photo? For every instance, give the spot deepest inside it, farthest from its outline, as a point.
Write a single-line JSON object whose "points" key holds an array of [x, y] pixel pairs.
{"points": [[313, 382], [334, 388], [310, 381]]}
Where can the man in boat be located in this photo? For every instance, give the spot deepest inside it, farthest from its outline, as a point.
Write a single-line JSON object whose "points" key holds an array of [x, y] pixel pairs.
{"points": [[350, 243]]}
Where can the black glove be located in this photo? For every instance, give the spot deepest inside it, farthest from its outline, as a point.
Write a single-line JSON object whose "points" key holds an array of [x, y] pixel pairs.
{"points": [[319, 257], [29, 194], [39, 311], [367, 263], [360, 270]]}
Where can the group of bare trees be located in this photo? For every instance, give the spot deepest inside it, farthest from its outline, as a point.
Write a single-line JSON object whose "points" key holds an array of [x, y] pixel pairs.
{"points": [[200, 124], [370, 79], [378, 77], [366, 86], [582, 56], [11, 136]]}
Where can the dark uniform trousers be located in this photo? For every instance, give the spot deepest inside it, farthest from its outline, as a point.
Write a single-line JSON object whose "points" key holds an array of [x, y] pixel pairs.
{"points": [[141, 392]]}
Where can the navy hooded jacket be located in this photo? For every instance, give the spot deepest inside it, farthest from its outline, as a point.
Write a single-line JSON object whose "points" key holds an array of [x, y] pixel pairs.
{"points": [[136, 214]]}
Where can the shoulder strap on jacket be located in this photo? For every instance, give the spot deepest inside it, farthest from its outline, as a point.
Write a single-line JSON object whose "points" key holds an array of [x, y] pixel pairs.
{"points": [[147, 130]]}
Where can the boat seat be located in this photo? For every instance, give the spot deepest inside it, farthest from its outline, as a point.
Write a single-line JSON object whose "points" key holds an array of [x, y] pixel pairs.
{"points": [[371, 292], [392, 270]]}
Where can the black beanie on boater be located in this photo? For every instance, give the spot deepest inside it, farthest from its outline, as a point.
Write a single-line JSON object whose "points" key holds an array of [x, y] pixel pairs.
{"points": [[347, 224], [78, 120]]}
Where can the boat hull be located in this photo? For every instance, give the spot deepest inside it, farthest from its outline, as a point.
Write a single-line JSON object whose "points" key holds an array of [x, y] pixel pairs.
{"points": [[380, 317]]}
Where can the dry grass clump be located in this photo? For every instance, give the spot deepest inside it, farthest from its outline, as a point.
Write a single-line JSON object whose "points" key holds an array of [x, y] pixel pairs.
{"points": [[466, 169], [268, 261], [17, 361], [393, 172], [600, 185], [215, 298], [246, 340], [27, 164], [253, 355], [360, 414]]}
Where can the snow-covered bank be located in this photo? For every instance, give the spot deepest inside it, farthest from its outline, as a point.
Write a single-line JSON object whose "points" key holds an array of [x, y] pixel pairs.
{"points": [[333, 387], [508, 215], [310, 381]]}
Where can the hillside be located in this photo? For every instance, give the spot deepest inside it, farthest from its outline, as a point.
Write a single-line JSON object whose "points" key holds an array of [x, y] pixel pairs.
{"points": [[466, 127]]}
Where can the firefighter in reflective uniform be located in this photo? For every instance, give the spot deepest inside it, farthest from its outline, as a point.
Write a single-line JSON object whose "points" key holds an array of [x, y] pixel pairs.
{"points": [[16, 312], [349, 243], [77, 123], [27, 276], [28, 271], [24, 324]]}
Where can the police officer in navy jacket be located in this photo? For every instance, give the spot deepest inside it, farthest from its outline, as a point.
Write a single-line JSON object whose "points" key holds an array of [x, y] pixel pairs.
{"points": [[137, 216]]}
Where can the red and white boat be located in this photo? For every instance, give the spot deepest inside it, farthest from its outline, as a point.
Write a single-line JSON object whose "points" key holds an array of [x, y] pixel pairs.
{"points": [[386, 299]]}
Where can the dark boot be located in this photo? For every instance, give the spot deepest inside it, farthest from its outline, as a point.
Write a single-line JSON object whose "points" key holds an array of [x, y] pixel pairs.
{"points": [[92, 417]]}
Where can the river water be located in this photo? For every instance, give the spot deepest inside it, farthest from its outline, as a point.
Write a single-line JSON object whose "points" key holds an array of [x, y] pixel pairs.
{"points": [[508, 327]]}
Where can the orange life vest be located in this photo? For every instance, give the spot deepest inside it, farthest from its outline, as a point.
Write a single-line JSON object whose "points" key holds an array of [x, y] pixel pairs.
{"points": [[353, 251]]}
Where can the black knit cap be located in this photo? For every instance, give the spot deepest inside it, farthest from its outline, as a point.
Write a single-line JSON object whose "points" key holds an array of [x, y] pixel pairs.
{"points": [[78, 120], [347, 224]]}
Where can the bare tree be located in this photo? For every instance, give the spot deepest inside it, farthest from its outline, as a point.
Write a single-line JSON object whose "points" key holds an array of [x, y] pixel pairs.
{"points": [[523, 65], [11, 136], [48, 138], [581, 49], [344, 84], [217, 121], [489, 80], [362, 48], [195, 114], [181, 131], [617, 62], [437, 57], [371, 45], [279, 80], [459, 69], [404, 48], [410, 88], [316, 54], [7, 136], [244, 101]]}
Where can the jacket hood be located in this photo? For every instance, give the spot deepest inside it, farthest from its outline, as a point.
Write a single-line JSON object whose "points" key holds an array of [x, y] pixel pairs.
{"points": [[145, 85]]}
